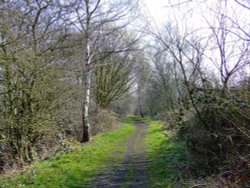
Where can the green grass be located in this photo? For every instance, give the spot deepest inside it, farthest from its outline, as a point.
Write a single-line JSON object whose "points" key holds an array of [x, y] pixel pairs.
{"points": [[164, 154], [75, 169]]}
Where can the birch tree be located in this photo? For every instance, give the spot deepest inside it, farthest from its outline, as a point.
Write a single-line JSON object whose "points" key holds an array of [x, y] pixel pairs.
{"points": [[93, 19]]}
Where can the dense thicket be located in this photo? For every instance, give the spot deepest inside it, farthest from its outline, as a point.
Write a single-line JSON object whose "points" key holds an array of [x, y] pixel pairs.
{"points": [[48, 50]]}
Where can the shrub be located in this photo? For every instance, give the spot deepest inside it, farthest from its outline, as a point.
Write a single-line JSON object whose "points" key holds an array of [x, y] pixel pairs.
{"points": [[104, 120], [221, 144]]}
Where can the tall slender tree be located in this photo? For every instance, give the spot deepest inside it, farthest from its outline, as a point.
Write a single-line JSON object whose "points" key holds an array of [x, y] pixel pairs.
{"points": [[94, 19]]}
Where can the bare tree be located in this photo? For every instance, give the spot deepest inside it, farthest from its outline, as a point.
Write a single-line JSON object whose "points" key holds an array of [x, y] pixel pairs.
{"points": [[187, 53], [231, 48], [164, 69], [92, 21]]}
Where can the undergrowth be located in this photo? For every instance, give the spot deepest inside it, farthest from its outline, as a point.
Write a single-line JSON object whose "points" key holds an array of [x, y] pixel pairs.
{"points": [[76, 168]]}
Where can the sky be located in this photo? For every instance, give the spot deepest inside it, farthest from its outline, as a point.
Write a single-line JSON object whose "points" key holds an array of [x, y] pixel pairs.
{"points": [[161, 11], [156, 9], [196, 15]]}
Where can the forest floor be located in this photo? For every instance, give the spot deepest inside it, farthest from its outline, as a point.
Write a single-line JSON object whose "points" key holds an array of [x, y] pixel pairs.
{"points": [[137, 155]]}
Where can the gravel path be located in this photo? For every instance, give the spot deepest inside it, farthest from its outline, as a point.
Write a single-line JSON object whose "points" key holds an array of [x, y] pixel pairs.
{"points": [[131, 172]]}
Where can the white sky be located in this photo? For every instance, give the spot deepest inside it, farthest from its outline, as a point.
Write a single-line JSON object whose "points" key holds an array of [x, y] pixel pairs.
{"points": [[195, 19], [162, 13], [156, 9]]}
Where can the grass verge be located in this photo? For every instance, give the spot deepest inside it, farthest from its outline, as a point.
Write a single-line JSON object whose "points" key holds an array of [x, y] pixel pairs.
{"points": [[75, 169], [165, 154]]}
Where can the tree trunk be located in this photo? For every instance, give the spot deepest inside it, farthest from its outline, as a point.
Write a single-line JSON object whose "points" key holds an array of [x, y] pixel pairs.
{"points": [[86, 97], [141, 112], [139, 102]]}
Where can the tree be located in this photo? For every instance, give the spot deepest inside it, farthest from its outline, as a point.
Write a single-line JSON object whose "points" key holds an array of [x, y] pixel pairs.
{"points": [[186, 53], [163, 70], [220, 123], [30, 33], [93, 18], [142, 74], [113, 79], [231, 49]]}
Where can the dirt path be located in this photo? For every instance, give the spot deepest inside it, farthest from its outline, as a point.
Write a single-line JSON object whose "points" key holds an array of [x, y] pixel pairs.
{"points": [[131, 172]]}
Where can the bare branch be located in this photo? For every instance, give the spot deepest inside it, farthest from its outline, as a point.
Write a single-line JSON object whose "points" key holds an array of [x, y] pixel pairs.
{"points": [[243, 5]]}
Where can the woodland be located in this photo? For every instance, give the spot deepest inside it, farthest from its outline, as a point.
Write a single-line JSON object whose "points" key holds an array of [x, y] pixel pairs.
{"points": [[71, 70]]}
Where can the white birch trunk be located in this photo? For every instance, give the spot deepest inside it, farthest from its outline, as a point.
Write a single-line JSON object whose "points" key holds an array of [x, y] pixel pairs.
{"points": [[86, 99]]}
